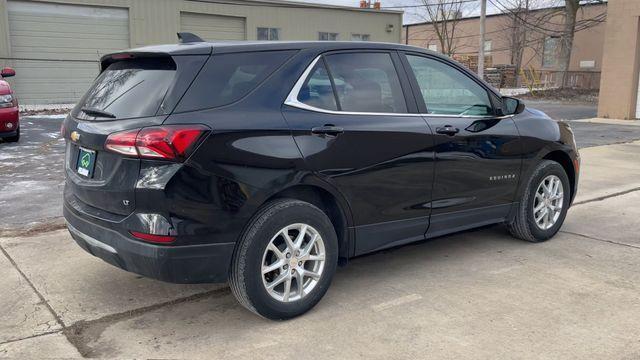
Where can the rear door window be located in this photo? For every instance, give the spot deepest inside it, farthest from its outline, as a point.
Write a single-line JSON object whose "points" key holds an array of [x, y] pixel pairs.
{"points": [[128, 89], [226, 78], [317, 91], [366, 82]]}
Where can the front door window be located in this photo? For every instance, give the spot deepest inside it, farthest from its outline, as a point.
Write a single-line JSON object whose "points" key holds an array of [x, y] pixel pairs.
{"points": [[448, 91]]}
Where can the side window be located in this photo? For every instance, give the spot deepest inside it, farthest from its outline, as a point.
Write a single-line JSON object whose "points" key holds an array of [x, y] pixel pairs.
{"points": [[448, 91], [317, 90], [227, 78], [366, 82]]}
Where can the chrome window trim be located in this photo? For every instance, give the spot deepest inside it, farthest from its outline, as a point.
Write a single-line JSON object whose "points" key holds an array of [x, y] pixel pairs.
{"points": [[292, 100]]}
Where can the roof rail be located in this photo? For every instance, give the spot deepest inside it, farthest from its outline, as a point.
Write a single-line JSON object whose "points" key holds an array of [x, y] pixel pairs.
{"points": [[187, 37]]}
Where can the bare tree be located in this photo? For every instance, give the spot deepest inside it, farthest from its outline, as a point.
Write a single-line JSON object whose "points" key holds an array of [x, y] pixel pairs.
{"points": [[571, 25], [518, 34], [560, 21], [444, 16]]}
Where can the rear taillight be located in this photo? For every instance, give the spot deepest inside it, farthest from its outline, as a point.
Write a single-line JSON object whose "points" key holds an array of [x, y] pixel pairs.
{"points": [[170, 142]]}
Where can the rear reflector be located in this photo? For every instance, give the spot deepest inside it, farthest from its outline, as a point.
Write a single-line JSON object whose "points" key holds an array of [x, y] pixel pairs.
{"points": [[158, 239], [170, 142]]}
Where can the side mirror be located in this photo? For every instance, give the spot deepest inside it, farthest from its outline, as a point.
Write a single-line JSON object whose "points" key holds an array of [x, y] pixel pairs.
{"points": [[512, 106], [7, 72]]}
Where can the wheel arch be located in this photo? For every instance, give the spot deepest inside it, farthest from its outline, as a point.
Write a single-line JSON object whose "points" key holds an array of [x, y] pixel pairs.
{"points": [[332, 204], [566, 162]]}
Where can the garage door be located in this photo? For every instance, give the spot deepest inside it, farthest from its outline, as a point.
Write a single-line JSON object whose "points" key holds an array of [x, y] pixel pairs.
{"points": [[213, 27], [56, 47]]}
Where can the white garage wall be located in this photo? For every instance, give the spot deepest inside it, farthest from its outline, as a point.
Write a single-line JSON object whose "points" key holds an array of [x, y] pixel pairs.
{"points": [[109, 23], [56, 47], [213, 27]]}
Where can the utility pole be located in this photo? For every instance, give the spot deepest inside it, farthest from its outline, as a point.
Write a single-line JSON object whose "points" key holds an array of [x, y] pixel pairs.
{"points": [[483, 20]]}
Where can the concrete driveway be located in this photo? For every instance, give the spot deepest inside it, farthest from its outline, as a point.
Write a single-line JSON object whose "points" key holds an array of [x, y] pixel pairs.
{"points": [[479, 294]]}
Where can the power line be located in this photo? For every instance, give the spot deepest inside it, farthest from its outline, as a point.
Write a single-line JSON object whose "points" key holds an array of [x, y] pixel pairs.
{"points": [[580, 25], [427, 5]]}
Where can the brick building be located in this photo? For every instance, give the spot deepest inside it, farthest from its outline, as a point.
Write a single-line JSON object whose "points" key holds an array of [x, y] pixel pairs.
{"points": [[542, 50]]}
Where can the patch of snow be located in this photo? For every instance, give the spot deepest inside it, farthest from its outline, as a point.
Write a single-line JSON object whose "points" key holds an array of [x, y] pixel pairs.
{"points": [[43, 107], [55, 117], [513, 91]]}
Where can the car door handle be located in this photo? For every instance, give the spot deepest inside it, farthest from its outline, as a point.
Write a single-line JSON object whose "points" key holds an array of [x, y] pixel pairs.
{"points": [[327, 130], [448, 130]]}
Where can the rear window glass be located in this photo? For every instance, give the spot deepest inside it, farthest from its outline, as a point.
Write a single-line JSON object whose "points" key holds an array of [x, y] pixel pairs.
{"points": [[128, 89], [227, 78], [317, 90]]}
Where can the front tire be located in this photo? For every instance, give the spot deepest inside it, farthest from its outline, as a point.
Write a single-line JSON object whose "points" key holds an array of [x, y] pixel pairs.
{"points": [[14, 138], [285, 260], [544, 205]]}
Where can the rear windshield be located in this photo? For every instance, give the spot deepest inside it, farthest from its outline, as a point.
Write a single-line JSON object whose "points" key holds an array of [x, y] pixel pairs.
{"points": [[128, 89], [227, 78]]}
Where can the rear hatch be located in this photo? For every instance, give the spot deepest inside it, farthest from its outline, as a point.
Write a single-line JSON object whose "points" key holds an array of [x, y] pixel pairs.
{"points": [[134, 90]]}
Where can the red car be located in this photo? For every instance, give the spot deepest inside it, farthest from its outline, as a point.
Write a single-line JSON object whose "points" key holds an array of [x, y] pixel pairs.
{"points": [[9, 118]]}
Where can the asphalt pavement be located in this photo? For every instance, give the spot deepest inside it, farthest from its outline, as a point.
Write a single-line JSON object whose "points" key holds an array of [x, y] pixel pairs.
{"points": [[564, 111], [32, 175]]}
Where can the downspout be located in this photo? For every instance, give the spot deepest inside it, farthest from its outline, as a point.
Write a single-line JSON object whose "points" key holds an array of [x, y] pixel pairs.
{"points": [[406, 35]]}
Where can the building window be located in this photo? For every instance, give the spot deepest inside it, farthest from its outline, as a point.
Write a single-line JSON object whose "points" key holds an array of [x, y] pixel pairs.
{"points": [[550, 52], [360, 37], [433, 47], [488, 45], [327, 36], [265, 33]]}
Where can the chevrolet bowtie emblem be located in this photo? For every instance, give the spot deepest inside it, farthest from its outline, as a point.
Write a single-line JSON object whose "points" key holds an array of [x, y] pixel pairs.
{"points": [[75, 136]]}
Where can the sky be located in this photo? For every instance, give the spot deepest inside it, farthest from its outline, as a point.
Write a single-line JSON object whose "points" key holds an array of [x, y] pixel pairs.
{"points": [[410, 15]]}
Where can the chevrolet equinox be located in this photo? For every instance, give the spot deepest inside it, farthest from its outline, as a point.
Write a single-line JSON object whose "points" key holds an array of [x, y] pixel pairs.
{"points": [[265, 164]]}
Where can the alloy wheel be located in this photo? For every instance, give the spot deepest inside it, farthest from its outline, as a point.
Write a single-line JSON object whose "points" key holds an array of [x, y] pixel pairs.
{"points": [[548, 201], [293, 262]]}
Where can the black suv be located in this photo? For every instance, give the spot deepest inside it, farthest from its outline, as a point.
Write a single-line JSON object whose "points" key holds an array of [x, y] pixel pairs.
{"points": [[266, 164]]}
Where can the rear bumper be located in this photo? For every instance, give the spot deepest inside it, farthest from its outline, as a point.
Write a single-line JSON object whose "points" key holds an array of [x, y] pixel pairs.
{"points": [[204, 263]]}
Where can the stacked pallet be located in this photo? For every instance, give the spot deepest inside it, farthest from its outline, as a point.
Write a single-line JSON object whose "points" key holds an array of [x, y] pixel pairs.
{"points": [[493, 76], [471, 61], [501, 76], [509, 75]]}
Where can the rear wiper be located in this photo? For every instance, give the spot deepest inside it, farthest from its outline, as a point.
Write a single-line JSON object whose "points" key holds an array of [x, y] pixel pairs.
{"points": [[97, 112]]}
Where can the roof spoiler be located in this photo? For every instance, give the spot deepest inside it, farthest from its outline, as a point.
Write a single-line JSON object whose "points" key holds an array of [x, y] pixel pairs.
{"points": [[187, 37]]}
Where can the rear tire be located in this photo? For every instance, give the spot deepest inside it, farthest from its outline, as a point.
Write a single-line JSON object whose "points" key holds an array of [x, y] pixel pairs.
{"points": [[263, 246], [541, 212], [14, 138]]}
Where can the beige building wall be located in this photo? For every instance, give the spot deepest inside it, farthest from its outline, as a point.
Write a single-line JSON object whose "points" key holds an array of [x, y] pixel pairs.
{"points": [[588, 44], [158, 21], [621, 63]]}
